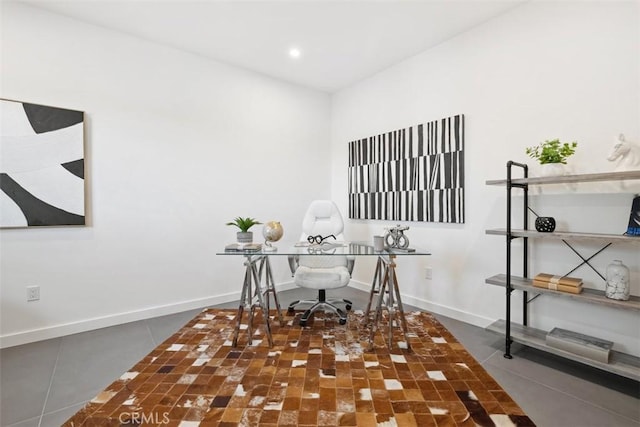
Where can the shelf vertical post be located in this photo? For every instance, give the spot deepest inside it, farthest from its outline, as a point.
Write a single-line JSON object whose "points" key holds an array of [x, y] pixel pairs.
{"points": [[510, 237], [508, 289], [525, 244]]}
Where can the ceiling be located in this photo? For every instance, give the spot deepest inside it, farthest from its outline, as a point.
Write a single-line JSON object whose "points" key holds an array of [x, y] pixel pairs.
{"points": [[341, 42]]}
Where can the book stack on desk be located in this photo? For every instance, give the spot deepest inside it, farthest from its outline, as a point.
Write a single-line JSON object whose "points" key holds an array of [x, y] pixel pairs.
{"points": [[572, 285], [241, 247]]}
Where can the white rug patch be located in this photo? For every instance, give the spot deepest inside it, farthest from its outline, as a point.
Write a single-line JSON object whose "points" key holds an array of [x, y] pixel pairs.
{"points": [[390, 423], [436, 375], [187, 379], [365, 394], [501, 420], [398, 358], [393, 385], [130, 401], [128, 375], [273, 406], [240, 391], [175, 347], [201, 361]]}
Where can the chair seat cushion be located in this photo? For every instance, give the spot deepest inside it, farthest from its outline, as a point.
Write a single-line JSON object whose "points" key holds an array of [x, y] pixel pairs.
{"points": [[322, 278]]}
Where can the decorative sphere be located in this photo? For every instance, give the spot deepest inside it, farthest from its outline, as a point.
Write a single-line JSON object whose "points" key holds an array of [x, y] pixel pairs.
{"points": [[272, 231]]}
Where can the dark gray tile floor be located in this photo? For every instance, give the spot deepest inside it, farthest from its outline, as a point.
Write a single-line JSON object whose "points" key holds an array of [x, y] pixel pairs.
{"points": [[44, 383]]}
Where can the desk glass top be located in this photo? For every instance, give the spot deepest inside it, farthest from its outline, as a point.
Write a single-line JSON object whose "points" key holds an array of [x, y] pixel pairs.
{"points": [[337, 248]]}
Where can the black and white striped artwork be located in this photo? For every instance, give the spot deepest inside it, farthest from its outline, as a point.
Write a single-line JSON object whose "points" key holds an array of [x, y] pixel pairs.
{"points": [[411, 174], [41, 165]]}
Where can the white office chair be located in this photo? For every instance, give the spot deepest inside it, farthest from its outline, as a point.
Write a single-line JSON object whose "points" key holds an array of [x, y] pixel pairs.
{"points": [[322, 272]]}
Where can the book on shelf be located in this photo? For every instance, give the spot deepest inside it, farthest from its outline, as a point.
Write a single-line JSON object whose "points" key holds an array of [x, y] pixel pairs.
{"points": [[580, 344], [556, 287], [558, 280], [241, 247], [633, 229]]}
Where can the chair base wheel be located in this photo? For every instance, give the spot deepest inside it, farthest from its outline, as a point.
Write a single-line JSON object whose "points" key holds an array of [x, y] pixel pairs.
{"points": [[343, 321], [290, 311], [303, 323], [348, 307]]}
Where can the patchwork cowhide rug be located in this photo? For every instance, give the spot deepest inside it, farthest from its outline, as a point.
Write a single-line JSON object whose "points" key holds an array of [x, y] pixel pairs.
{"points": [[319, 375]]}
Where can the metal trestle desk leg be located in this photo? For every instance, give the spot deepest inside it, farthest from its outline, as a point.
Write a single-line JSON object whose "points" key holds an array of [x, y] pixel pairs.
{"points": [[270, 287], [254, 296], [389, 288], [381, 271]]}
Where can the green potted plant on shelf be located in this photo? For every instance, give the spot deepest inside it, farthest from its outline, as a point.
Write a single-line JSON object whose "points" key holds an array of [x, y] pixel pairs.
{"points": [[244, 224], [552, 155]]}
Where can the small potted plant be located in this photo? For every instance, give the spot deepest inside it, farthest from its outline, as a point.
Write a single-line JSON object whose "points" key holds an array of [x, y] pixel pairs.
{"points": [[552, 155], [244, 224]]}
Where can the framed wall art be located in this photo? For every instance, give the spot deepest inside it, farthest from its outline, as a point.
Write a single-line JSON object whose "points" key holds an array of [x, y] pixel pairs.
{"points": [[41, 165], [411, 174]]}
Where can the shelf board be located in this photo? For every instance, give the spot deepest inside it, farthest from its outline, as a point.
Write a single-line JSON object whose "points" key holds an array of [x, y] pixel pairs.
{"points": [[592, 296], [566, 179], [621, 364], [566, 235]]}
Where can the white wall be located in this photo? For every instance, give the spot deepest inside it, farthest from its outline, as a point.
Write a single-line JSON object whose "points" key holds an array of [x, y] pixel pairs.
{"points": [[176, 146], [544, 70], [165, 132]]}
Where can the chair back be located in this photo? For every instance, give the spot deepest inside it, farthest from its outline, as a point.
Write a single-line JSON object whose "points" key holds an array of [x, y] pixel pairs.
{"points": [[322, 218]]}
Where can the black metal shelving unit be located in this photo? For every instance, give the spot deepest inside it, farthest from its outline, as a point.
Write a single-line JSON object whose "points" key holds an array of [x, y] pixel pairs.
{"points": [[621, 364]]}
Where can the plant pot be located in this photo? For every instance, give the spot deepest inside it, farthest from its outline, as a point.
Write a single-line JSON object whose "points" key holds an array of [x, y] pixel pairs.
{"points": [[553, 169], [244, 236]]}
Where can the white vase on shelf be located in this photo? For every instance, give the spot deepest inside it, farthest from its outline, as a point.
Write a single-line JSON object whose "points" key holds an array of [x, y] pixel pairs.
{"points": [[617, 281]]}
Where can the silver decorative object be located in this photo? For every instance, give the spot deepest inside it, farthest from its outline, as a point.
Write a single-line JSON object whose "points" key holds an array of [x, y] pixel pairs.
{"points": [[395, 238]]}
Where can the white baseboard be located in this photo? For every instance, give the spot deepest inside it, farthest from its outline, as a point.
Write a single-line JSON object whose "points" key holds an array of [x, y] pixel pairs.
{"points": [[56, 331], [454, 313]]}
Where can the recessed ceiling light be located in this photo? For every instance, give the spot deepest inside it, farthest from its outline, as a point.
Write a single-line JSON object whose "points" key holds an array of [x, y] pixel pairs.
{"points": [[295, 53]]}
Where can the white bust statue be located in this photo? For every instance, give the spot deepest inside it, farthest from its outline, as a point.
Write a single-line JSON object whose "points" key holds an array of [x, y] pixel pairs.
{"points": [[625, 154]]}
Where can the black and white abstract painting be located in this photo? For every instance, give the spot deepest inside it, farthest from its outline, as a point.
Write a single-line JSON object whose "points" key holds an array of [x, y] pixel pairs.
{"points": [[41, 165], [411, 174]]}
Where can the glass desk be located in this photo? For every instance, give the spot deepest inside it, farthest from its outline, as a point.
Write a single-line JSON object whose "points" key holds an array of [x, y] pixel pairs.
{"points": [[256, 289]]}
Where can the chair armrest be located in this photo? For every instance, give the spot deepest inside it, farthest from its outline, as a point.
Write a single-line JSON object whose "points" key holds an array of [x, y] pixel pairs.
{"points": [[351, 260], [293, 263]]}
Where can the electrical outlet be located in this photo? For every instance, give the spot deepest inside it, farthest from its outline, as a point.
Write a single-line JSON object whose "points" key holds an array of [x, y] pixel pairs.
{"points": [[33, 293], [428, 272]]}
